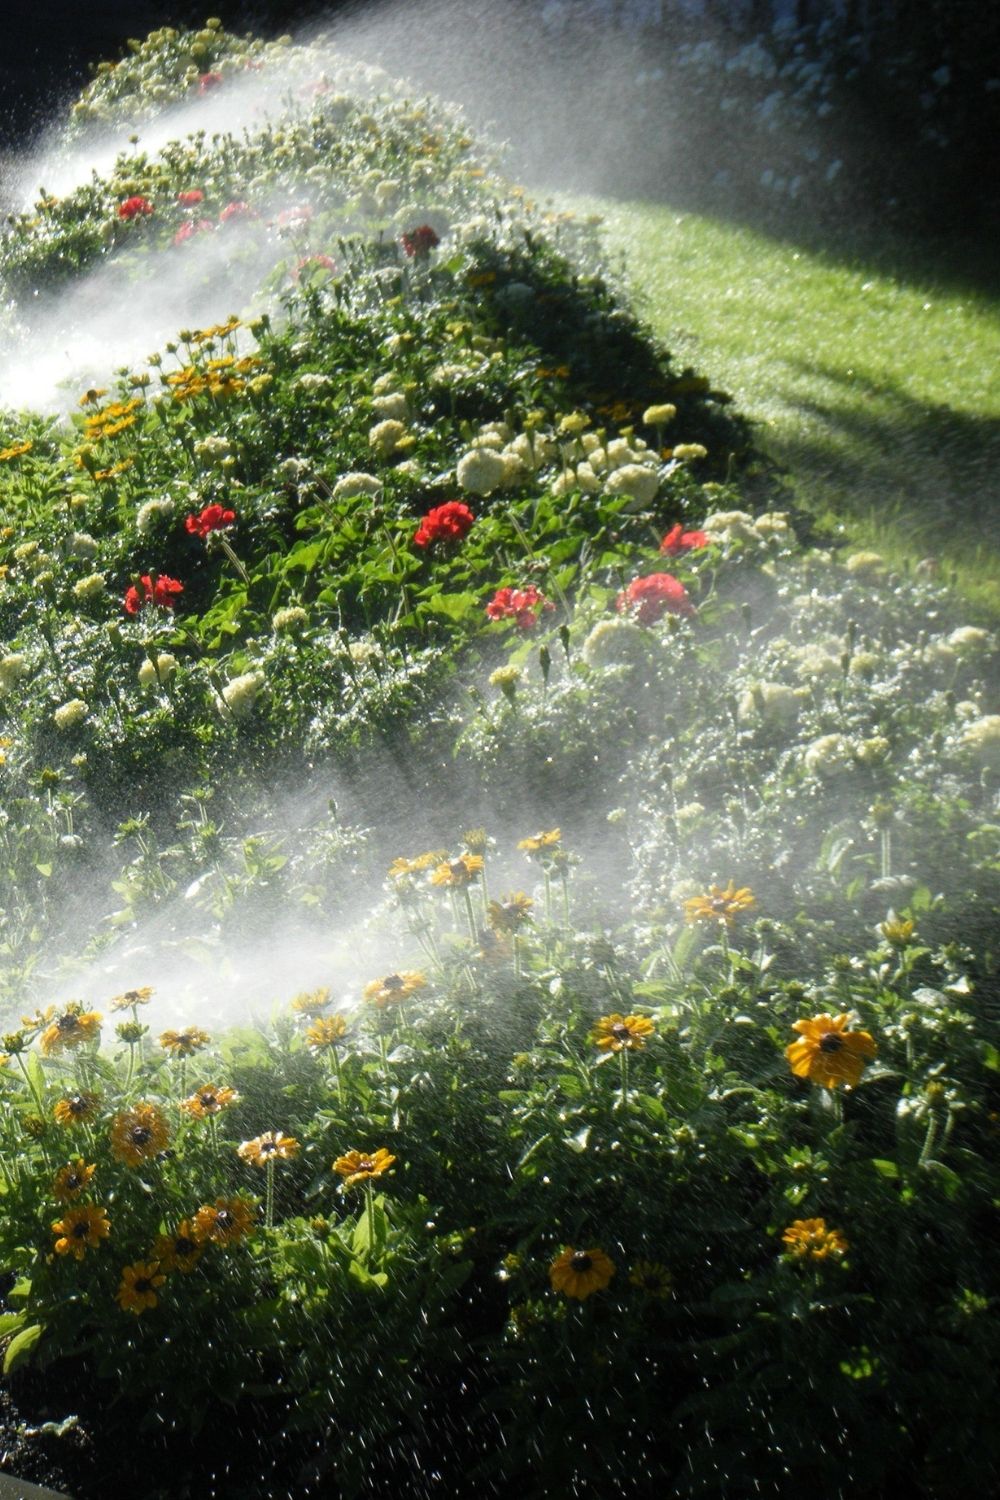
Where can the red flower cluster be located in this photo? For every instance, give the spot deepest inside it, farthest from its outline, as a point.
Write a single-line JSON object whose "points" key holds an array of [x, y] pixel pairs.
{"points": [[236, 210], [299, 213], [445, 523], [655, 595], [212, 518], [191, 228], [134, 206], [161, 593], [321, 262], [190, 198], [523, 606], [420, 241], [208, 81], [677, 540]]}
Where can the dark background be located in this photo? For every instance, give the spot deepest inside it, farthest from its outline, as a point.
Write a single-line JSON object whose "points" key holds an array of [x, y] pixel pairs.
{"points": [[45, 48]]}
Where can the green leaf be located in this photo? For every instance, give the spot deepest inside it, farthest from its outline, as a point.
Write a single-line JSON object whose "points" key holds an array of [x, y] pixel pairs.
{"points": [[21, 1346], [884, 1167]]}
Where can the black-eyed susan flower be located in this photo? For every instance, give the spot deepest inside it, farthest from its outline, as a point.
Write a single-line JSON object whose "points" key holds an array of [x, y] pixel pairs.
{"points": [[80, 1229], [138, 1134], [417, 864], [270, 1147], [458, 873], [210, 1099], [225, 1222], [510, 913], [139, 1286], [311, 1002], [579, 1273], [72, 1179], [71, 1028], [810, 1239], [718, 905], [327, 1032], [77, 1109], [538, 843], [358, 1166], [179, 1251], [827, 1053], [131, 998], [651, 1277], [897, 932], [394, 987], [185, 1043], [616, 1033]]}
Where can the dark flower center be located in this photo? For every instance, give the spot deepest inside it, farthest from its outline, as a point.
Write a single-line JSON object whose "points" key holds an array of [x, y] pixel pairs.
{"points": [[77, 1105], [719, 904], [73, 1181], [267, 1148], [143, 1284], [620, 1030], [67, 1023], [183, 1246], [224, 1219], [140, 1135], [367, 1165], [393, 982], [209, 1101], [81, 1230], [458, 869], [831, 1041], [581, 1261]]}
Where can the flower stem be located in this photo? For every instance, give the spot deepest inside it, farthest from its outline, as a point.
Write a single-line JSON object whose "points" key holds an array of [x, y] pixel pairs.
{"points": [[269, 1194], [623, 1065], [370, 1211]]}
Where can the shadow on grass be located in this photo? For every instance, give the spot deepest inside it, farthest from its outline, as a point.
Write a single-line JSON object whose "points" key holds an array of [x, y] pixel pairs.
{"points": [[930, 471]]}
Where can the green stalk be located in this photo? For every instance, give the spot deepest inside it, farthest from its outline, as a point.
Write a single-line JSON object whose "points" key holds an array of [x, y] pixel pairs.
{"points": [[269, 1194], [370, 1211], [623, 1065]]}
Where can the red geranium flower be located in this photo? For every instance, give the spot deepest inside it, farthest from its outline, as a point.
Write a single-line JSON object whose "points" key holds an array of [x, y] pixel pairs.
{"points": [[208, 81], [190, 198], [421, 241], [523, 606], [161, 593], [677, 540], [212, 518], [191, 228], [236, 210], [445, 523], [321, 262], [653, 596], [299, 213], [133, 206]]}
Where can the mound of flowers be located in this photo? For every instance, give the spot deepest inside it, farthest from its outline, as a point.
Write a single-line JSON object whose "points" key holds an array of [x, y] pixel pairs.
{"points": [[622, 1156]]}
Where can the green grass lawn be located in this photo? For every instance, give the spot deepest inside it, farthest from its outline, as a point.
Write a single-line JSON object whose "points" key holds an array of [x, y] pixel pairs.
{"points": [[875, 384]]}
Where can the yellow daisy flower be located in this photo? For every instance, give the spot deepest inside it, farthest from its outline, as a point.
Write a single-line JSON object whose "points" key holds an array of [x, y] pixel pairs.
{"points": [[328, 1031], [272, 1146], [72, 1180], [179, 1251], [827, 1053], [80, 1229], [616, 1033], [77, 1109], [541, 841], [718, 905], [357, 1166], [457, 873], [184, 1043], [225, 1222], [810, 1239], [210, 1099], [71, 1028], [139, 1285], [393, 987], [138, 1134], [578, 1273]]}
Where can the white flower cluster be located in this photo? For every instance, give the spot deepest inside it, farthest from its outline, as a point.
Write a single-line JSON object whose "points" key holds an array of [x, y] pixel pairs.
{"points": [[729, 526], [215, 451], [89, 587], [68, 715], [13, 667], [152, 514], [350, 485], [240, 694], [163, 670]]}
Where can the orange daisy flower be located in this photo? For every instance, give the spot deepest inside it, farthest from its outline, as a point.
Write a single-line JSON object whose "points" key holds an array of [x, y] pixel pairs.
{"points": [[827, 1053]]}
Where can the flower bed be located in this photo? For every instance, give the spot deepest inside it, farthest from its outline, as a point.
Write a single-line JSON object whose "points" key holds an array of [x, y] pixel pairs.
{"points": [[617, 1155]]}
